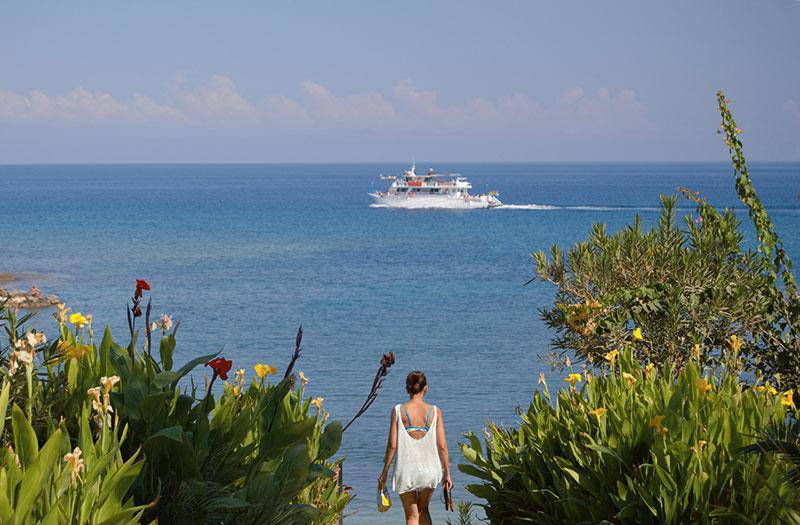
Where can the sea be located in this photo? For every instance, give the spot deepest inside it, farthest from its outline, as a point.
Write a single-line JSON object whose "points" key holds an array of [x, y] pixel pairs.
{"points": [[243, 254]]}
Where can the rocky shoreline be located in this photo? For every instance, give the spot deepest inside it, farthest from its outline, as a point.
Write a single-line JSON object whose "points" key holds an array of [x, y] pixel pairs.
{"points": [[25, 300]]}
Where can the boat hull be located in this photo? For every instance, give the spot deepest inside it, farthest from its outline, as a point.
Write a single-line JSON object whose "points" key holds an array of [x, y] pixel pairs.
{"points": [[444, 202]]}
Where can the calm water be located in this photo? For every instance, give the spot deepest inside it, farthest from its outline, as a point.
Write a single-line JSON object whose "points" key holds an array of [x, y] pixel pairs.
{"points": [[242, 254]]}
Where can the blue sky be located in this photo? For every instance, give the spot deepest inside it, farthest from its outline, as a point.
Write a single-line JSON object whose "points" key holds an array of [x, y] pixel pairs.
{"points": [[387, 81]]}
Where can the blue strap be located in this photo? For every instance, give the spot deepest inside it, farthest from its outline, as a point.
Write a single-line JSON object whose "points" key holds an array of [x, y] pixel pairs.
{"points": [[408, 416], [427, 416]]}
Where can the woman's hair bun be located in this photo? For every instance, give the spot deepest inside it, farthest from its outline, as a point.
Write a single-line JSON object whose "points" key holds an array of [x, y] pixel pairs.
{"points": [[416, 382]]}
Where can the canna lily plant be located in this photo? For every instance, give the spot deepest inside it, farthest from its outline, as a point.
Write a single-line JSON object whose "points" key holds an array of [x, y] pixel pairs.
{"points": [[636, 447], [247, 452]]}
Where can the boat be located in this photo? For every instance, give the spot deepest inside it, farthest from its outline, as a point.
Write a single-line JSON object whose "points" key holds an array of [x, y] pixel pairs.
{"points": [[432, 190]]}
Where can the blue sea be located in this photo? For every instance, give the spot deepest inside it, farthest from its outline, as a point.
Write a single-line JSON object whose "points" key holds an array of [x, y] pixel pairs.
{"points": [[243, 254]]}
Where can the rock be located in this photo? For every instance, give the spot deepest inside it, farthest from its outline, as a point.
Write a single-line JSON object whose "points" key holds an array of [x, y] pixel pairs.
{"points": [[30, 300]]}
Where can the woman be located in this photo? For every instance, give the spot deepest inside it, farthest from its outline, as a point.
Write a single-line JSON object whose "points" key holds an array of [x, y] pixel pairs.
{"points": [[416, 432]]}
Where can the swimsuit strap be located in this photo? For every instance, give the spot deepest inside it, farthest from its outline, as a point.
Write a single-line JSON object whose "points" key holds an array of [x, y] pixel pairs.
{"points": [[408, 416], [428, 415]]}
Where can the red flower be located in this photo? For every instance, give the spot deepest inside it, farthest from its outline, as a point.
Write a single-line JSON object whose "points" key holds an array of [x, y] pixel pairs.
{"points": [[141, 284], [221, 367]]}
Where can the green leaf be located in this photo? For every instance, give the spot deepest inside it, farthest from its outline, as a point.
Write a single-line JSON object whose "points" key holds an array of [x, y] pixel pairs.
{"points": [[166, 349], [175, 433], [171, 378], [4, 405], [35, 474], [104, 353], [330, 440], [27, 446]]}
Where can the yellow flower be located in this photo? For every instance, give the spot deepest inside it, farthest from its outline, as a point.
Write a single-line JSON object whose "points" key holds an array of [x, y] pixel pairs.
{"points": [[35, 339], [787, 399], [629, 378], [637, 334], [572, 379], [656, 421], [17, 357], [236, 391], [704, 386], [78, 320], [95, 393], [736, 343], [75, 461], [303, 379], [612, 356], [649, 368], [264, 370], [697, 350], [317, 402], [109, 382], [702, 443], [61, 314], [598, 412], [76, 350]]}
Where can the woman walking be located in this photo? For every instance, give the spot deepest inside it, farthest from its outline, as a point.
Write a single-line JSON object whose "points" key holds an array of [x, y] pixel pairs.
{"points": [[416, 434]]}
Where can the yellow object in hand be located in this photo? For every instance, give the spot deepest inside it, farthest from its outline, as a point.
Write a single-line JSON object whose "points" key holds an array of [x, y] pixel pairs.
{"points": [[384, 501]]}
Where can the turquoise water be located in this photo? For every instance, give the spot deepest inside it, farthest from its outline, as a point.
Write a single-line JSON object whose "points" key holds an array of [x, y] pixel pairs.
{"points": [[242, 254]]}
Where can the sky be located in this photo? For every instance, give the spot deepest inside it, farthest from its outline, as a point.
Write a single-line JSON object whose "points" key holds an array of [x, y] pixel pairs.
{"points": [[367, 81]]}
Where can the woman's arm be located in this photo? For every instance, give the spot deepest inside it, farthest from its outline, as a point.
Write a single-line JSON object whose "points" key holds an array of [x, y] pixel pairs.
{"points": [[391, 445], [441, 444]]}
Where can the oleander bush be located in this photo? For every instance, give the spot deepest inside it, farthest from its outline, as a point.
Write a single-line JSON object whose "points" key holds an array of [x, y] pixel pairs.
{"points": [[706, 431], [686, 287], [637, 444], [154, 446]]}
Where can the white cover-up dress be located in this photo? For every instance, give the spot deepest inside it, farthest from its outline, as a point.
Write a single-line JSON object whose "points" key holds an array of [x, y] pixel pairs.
{"points": [[417, 466]]}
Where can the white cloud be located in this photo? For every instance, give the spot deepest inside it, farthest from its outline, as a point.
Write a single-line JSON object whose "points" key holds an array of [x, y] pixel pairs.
{"points": [[80, 105], [219, 103], [369, 108], [218, 99]]}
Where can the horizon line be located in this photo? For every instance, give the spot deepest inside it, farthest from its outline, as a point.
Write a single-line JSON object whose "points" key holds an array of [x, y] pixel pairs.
{"points": [[366, 162]]}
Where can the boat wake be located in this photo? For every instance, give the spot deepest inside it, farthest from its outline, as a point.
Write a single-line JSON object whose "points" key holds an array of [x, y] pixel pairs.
{"points": [[550, 207], [545, 207], [527, 207], [421, 205]]}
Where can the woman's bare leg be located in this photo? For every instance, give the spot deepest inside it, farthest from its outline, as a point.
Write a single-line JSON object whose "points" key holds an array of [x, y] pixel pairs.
{"points": [[410, 507], [423, 499]]}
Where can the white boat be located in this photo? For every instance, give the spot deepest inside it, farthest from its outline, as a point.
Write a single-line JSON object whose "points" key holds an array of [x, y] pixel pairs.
{"points": [[432, 190]]}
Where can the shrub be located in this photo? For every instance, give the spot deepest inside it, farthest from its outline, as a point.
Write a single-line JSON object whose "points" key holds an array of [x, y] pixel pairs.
{"points": [[636, 445], [685, 288]]}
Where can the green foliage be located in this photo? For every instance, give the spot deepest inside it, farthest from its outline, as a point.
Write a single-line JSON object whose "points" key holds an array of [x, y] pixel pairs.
{"points": [[41, 486], [465, 514], [256, 452], [782, 440], [635, 445], [687, 288]]}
